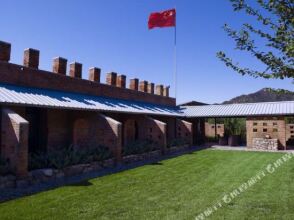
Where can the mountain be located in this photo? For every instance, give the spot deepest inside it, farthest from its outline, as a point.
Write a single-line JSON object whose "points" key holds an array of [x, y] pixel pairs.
{"points": [[263, 95]]}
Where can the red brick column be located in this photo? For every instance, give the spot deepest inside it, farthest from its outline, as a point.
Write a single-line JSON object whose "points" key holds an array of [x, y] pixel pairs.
{"points": [[110, 132], [14, 145], [184, 130], [155, 130]]}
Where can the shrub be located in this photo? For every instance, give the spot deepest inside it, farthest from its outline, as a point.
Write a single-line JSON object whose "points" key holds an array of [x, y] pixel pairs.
{"points": [[4, 167], [139, 147], [64, 157], [177, 142]]}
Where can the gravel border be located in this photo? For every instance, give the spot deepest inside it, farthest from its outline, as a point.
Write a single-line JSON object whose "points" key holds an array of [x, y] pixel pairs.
{"points": [[244, 148]]}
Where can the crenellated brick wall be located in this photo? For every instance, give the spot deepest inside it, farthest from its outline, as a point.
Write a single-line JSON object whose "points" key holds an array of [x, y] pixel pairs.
{"points": [[29, 75]]}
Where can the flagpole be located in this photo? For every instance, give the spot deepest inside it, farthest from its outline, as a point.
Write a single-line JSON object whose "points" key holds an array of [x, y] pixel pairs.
{"points": [[175, 57]]}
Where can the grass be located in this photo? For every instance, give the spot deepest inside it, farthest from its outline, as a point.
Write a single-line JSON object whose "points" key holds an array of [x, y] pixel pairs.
{"points": [[178, 188]]}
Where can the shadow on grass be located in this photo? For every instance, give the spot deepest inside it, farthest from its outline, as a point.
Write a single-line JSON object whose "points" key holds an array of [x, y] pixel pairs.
{"points": [[156, 163], [82, 180], [83, 183]]}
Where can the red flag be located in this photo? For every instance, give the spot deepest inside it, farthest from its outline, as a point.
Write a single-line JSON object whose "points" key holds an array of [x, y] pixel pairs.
{"points": [[162, 19]]}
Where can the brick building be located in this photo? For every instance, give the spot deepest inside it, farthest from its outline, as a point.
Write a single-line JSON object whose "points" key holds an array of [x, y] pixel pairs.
{"points": [[289, 131], [46, 110], [213, 130]]}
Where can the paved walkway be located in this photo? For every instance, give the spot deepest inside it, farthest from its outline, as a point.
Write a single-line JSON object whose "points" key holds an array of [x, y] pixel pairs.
{"points": [[244, 148]]}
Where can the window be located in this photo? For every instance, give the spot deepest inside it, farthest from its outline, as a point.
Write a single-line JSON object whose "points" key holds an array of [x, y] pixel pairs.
{"points": [[275, 130], [254, 123], [264, 130], [254, 129], [275, 123], [291, 127], [218, 126], [264, 124], [212, 126], [292, 132]]}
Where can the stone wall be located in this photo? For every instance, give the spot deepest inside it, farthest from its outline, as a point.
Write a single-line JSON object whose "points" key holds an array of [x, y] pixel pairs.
{"points": [[266, 127], [265, 144]]}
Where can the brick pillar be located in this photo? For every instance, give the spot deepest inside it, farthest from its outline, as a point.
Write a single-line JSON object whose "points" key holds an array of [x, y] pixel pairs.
{"points": [[151, 88], [94, 74], [59, 65], [75, 70], [121, 81], [159, 90], [5, 50], [166, 91], [111, 78], [155, 131], [14, 145], [31, 58], [112, 137], [184, 130], [143, 86], [134, 84]]}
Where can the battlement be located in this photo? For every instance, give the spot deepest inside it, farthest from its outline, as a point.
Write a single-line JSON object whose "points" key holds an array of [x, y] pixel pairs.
{"points": [[30, 75]]}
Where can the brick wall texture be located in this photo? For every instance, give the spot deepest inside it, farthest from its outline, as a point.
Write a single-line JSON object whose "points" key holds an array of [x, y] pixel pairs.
{"points": [[266, 127], [23, 76], [185, 131], [210, 129], [14, 141], [289, 131]]}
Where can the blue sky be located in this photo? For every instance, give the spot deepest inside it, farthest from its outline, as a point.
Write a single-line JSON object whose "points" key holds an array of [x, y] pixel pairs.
{"points": [[113, 35]]}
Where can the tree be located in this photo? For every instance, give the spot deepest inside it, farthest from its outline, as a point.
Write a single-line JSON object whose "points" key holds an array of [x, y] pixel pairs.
{"points": [[277, 33]]}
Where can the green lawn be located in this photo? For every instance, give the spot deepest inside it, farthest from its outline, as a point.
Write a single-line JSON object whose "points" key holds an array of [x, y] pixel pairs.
{"points": [[178, 188]]}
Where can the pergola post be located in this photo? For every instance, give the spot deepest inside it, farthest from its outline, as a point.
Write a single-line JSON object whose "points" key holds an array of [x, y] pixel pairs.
{"points": [[215, 130]]}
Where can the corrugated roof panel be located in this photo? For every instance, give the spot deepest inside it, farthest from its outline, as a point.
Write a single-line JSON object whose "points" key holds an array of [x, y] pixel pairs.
{"points": [[56, 99], [48, 98], [246, 109]]}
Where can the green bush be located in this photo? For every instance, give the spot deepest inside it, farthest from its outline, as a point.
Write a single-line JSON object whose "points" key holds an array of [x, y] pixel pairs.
{"points": [[210, 139], [177, 142], [64, 157], [139, 147], [4, 167]]}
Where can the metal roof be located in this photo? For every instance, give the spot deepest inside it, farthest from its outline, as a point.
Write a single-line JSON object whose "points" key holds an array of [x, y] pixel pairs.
{"points": [[16, 95], [239, 110]]}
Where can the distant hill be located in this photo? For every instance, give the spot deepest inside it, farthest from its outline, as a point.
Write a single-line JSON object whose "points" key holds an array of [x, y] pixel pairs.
{"points": [[263, 95]]}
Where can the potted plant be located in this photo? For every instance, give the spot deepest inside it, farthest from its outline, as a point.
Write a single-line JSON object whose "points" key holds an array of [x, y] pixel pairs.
{"points": [[223, 140], [234, 128]]}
